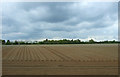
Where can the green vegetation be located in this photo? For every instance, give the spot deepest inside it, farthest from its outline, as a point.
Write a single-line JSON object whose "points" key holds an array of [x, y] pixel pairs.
{"points": [[64, 41]]}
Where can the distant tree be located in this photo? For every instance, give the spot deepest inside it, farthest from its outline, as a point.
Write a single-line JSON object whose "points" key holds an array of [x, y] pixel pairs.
{"points": [[91, 41], [35, 42], [113, 41], [3, 42], [21, 42], [16, 42], [8, 42], [63, 41], [78, 40], [72, 40], [106, 41], [46, 40]]}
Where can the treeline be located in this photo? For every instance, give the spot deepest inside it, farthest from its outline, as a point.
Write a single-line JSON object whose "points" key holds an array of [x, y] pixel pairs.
{"points": [[64, 41]]}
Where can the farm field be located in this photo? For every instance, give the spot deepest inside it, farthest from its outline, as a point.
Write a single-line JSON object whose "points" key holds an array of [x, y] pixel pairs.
{"points": [[74, 59]]}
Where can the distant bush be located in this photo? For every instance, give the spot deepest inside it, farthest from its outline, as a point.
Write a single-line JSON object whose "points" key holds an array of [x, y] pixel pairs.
{"points": [[64, 41]]}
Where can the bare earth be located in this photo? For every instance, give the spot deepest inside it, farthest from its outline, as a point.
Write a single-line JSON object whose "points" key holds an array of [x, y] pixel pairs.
{"points": [[87, 59]]}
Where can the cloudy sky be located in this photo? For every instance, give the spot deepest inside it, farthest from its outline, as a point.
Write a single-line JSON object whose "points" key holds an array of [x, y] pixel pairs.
{"points": [[60, 20]]}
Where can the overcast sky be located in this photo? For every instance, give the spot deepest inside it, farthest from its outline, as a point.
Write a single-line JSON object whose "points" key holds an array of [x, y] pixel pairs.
{"points": [[60, 20]]}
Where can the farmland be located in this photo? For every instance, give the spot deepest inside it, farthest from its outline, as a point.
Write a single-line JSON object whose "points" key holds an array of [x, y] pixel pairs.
{"points": [[74, 59]]}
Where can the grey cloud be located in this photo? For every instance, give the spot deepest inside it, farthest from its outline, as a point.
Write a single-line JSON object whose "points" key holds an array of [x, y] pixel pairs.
{"points": [[65, 20]]}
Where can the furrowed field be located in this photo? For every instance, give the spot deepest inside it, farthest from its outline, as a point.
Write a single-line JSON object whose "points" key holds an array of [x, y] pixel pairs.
{"points": [[87, 59]]}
